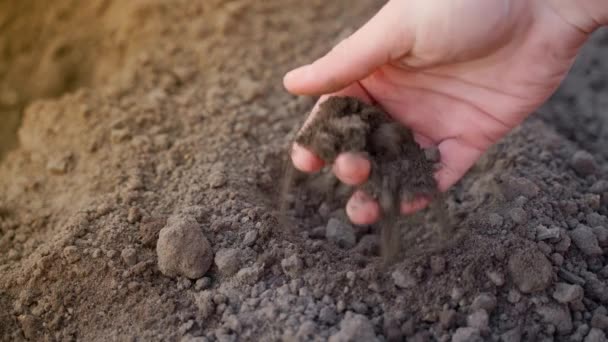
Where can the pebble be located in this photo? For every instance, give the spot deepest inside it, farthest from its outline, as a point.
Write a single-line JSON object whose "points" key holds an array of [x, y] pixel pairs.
{"points": [[183, 249], [570, 277], [479, 319], [599, 321], [583, 163], [599, 187], [557, 315], [467, 334], [250, 238], [531, 270], [249, 275], [217, 179], [601, 233], [518, 215], [513, 296], [544, 233], [484, 301], [513, 335], [328, 315], [134, 215], [228, 261], [292, 266], [447, 318], [557, 259], [340, 233], [594, 219], [354, 328], [403, 279], [129, 256], [595, 335], [584, 238], [566, 293], [437, 264], [497, 278], [564, 243], [202, 284]]}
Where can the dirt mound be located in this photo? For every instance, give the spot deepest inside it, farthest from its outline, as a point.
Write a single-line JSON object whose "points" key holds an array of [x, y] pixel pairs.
{"points": [[197, 129]]}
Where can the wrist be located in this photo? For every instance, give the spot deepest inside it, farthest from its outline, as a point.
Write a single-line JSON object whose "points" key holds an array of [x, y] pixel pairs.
{"points": [[587, 15]]}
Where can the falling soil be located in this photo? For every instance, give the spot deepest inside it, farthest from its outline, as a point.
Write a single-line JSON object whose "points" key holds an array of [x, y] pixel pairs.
{"points": [[141, 200]]}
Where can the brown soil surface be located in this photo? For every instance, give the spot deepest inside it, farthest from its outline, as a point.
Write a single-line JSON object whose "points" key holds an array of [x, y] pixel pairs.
{"points": [[157, 121]]}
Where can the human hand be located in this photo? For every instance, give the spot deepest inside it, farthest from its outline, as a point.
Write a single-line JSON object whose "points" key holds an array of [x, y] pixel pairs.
{"points": [[461, 74]]}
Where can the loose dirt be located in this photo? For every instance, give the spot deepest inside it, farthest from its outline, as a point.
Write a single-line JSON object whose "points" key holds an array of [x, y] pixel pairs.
{"points": [[175, 123]]}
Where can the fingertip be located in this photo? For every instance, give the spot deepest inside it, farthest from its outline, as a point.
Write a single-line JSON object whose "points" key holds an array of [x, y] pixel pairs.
{"points": [[293, 80], [351, 168], [362, 209], [419, 203], [304, 160]]}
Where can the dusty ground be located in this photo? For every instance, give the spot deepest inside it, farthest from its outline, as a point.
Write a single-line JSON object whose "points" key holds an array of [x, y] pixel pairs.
{"points": [[171, 115]]}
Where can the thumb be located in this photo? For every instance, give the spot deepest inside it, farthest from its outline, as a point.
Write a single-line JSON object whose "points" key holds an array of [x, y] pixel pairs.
{"points": [[379, 41]]}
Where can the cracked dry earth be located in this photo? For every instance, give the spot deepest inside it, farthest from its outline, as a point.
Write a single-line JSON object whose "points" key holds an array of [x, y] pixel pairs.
{"points": [[141, 201]]}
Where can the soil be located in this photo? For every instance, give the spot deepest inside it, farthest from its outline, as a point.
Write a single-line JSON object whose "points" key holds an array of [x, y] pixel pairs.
{"points": [[169, 121]]}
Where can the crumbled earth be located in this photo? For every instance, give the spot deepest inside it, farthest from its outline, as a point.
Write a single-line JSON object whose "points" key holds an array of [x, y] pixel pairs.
{"points": [[186, 118]]}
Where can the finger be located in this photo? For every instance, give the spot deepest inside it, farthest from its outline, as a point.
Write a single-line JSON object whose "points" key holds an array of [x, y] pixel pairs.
{"points": [[351, 168], [306, 160], [362, 209], [373, 45], [456, 159], [410, 207]]}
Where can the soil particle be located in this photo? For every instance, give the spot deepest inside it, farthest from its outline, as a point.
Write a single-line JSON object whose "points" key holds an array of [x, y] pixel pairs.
{"points": [[292, 266], [584, 238], [600, 321], [467, 334], [479, 319], [340, 233], [531, 270], [514, 187], [228, 261], [601, 234], [182, 249], [566, 293], [250, 238], [558, 316], [354, 328], [518, 215], [129, 256], [595, 335], [583, 163], [404, 279], [544, 233], [484, 301]]}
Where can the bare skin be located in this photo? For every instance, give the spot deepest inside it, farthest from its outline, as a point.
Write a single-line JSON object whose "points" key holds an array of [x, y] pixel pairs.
{"points": [[461, 74]]}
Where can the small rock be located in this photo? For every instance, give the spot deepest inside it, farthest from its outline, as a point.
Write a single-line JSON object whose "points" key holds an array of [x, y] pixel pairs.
{"points": [[599, 321], [564, 244], [129, 256], [484, 301], [601, 233], [340, 233], [565, 293], [217, 179], [518, 215], [570, 277], [355, 328], [202, 284], [467, 334], [557, 315], [58, 166], [292, 266], [134, 215], [584, 238], [368, 245], [404, 280], [437, 264], [328, 315], [531, 270], [513, 296], [249, 275], [544, 233], [599, 187], [228, 261], [182, 249], [557, 259], [479, 319], [317, 233], [250, 238], [118, 135], [583, 163], [496, 278], [594, 219], [596, 335], [70, 253]]}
